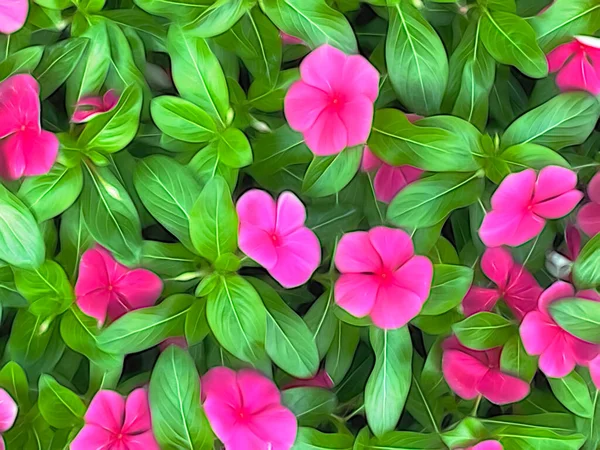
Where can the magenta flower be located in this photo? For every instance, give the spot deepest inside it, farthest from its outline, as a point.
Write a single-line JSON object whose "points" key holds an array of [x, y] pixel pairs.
{"points": [[106, 287], [389, 180], [25, 149], [288, 39], [274, 235], [381, 276], [588, 217], [8, 414], [594, 366], [521, 205], [559, 350], [471, 373], [111, 423], [13, 14], [321, 379], [332, 104], [577, 64], [245, 412], [486, 445], [514, 284], [89, 107]]}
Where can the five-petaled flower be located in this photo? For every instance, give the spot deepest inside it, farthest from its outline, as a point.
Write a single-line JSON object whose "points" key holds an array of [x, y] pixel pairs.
{"points": [[559, 350], [381, 276], [522, 203], [274, 235], [13, 14], [471, 373], [111, 423], [514, 284], [578, 64], [245, 412], [90, 106], [106, 287], [588, 217], [332, 104], [25, 149], [8, 414]]}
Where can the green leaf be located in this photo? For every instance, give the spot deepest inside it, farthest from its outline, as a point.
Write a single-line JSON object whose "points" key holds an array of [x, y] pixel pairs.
{"points": [[176, 10], [146, 327], [49, 195], [428, 201], [237, 318], [74, 240], [177, 417], [327, 175], [565, 120], [213, 221], [416, 60], [448, 288], [275, 151], [234, 149], [111, 131], [21, 243], [407, 440], [390, 380], [572, 392], [311, 405], [515, 360], [564, 19], [29, 339], [269, 97], [322, 322], [196, 323], [109, 213], [197, 73], [59, 406], [484, 330], [207, 164], [23, 61], [511, 40], [168, 260], [288, 340], [14, 381], [47, 289], [168, 190], [342, 350], [218, 17], [442, 251], [578, 316], [586, 270], [152, 32], [310, 439], [58, 63], [182, 119], [437, 148]]}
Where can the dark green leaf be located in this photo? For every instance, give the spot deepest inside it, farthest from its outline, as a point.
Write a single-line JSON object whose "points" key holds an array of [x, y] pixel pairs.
{"points": [[311, 405]]}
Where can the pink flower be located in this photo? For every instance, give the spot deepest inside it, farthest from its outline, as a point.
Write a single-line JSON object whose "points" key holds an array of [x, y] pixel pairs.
{"points": [[486, 445], [559, 350], [594, 366], [89, 107], [25, 149], [588, 217], [578, 64], [381, 276], [514, 284], [274, 235], [13, 14], [389, 180], [178, 341], [105, 286], [288, 39], [471, 373], [332, 104], [8, 414], [321, 379], [245, 412], [521, 205], [573, 242], [111, 423]]}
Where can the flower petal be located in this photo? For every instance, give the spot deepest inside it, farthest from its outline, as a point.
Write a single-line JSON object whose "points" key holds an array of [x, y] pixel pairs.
{"points": [[93, 274], [394, 246], [370, 161], [537, 332], [552, 182], [8, 411], [356, 293], [137, 412], [558, 56], [588, 219], [522, 292], [578, 74], [390, 180], [12, 159], [556, 291], [462, 373], [395, 306], [258, 392], [360, 78], [13, 14], [328, 135], [501, 389], [355, 254], [357, 116], [509, 228], [298, 256], [40, 151], [140, 287], [594, 366], [496, 264], [95, 304], [303, 104], [322, 68], [92, 437], [557, 360], [515, 192], [258, 244], [291, 213], [242, 438], [479, 299], [220, 383], [106, 410], [416, 275], [141, 441], [593, 189], [222, 416], [275, 425], [19, 104], [559, 206], [488, 445], [257, 208]]}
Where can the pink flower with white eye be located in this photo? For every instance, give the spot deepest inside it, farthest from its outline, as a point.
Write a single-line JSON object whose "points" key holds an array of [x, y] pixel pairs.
{"points": [[389, 180], [321, 379], [381, 276], [25, 149], [274, 235], [106, 287], [288, 39], [471, 373], [13, 14], [89, 107], [112, 423], [588, 217], [577, 64], [559, 350], [522, 203], [514, 284], [245, 412], [332, 104], [486, 445], [8, 414]]}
